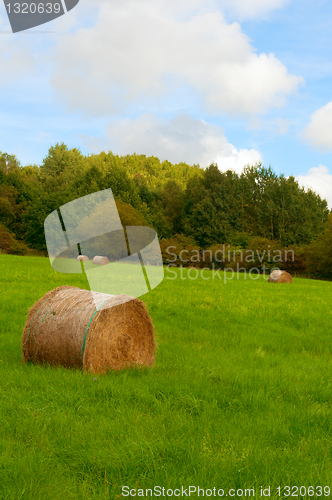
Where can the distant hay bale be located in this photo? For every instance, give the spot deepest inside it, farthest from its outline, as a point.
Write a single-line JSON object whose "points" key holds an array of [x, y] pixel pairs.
{"points": [[98, 260], [65, 328], [279, 276], [83, 258]]}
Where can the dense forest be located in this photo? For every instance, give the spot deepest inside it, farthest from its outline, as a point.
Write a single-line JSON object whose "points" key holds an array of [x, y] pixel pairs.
{"points": [[190, 207]]}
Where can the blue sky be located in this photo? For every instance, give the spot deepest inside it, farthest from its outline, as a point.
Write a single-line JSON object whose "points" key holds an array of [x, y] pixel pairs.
{"points": [[226, 81]]}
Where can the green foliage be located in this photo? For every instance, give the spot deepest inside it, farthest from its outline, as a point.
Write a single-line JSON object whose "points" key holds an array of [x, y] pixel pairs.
{"points": [[207, 205], [129, 216], [8, 243], [6, 212], [206, 224], [8, 163], [257, 202], [172, 200], [61, 161], [319, 253], [179, 251], [33, 219], [240, 239], [294, 260]]}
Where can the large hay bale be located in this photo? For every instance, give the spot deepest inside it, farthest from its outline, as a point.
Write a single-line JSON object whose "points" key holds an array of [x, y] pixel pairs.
{"points": [[65, 328], [99, 260], [82, 258], [278, 276]]}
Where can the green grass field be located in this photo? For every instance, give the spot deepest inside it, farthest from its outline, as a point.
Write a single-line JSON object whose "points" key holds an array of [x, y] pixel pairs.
{"points": [[239, 396]]}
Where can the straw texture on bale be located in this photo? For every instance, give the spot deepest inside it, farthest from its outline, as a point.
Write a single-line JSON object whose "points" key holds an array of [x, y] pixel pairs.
{"points": [[100, 260], [279, 276], [83, 258], [65, 328]]}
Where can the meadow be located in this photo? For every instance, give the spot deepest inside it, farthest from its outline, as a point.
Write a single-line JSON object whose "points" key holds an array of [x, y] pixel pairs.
{"points": [[239, 396]]}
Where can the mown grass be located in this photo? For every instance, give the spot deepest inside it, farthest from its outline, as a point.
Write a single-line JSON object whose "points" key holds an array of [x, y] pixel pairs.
{"points": [[239, 396]]}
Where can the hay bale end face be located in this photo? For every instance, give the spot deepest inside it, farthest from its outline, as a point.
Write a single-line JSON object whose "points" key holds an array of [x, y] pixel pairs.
{"points": [[65, 328], [82, 258], [279, 276], [99, 260]]}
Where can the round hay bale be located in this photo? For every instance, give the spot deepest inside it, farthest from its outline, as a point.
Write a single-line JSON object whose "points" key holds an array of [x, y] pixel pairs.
{"points": [[65, 328], [278, 276], [98, 260], [83, 258]]}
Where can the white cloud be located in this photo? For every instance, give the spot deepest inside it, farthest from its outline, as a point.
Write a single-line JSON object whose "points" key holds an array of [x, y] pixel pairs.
{"points": [[232, 159], [142, 54], [252, 9], [182, 138], [319, 180], [318, 132], [29, 53], [240, 9], [16, 59]]}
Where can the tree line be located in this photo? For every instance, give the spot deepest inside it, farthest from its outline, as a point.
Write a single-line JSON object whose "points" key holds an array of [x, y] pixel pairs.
{"points": [[188, 206]]}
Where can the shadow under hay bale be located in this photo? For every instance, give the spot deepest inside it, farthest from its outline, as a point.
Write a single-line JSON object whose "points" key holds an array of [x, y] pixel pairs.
{"points": [[65, 328], [82, 258], [98, 260], [279, 276]]}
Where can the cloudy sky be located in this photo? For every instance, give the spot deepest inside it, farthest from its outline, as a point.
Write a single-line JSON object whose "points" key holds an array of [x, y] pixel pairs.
{"points": [[200, 81]]}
